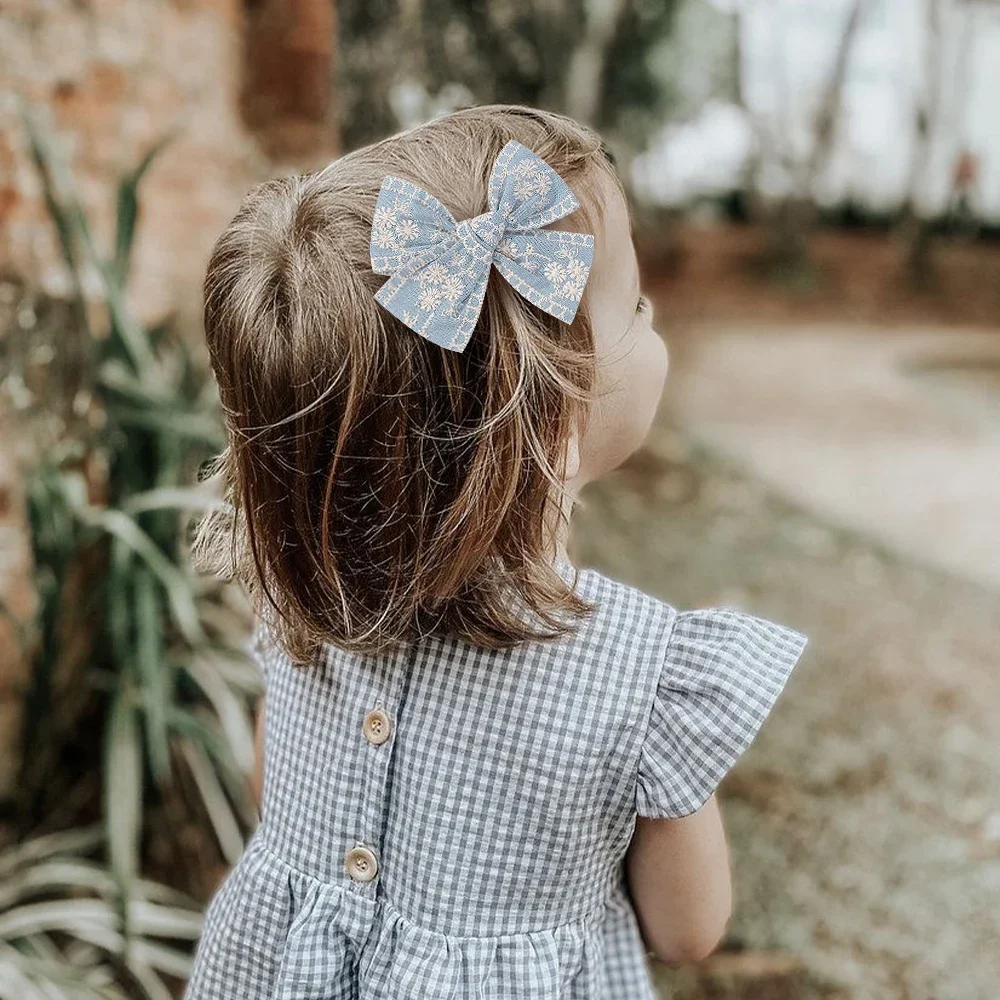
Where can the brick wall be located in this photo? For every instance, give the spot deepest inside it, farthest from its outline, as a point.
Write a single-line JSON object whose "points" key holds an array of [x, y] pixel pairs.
{"points": [[110, 78]]}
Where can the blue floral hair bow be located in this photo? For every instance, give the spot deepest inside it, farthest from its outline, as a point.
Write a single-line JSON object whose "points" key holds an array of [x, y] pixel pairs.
{"points": [[438, 268]]}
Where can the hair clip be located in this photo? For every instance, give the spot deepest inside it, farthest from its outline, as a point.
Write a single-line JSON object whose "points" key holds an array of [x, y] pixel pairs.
{"points": [[438, 268]]}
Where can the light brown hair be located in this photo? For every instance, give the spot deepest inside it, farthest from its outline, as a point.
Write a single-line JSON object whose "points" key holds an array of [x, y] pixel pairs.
{"points": [[382, 488]]}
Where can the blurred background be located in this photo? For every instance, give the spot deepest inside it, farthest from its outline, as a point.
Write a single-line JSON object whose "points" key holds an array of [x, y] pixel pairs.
{"points": [[816, 189]]}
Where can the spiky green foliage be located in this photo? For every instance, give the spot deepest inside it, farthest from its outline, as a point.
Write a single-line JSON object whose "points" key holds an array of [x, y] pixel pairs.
{"points": [[140, 698], [60, 931]]}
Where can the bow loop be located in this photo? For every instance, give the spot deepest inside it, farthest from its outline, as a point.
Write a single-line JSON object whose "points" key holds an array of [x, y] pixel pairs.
{"points": [[438, 269]]}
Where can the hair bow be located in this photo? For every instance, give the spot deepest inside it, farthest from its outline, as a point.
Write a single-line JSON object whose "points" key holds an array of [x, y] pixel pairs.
{"points": [[438, 268]]}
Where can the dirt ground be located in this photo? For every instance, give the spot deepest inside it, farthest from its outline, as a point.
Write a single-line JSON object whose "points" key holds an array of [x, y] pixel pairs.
{"points": [[865, 821], [893, 431]]}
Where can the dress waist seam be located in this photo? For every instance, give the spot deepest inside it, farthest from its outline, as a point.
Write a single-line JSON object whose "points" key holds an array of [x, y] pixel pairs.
{"points": [[589, 920]]}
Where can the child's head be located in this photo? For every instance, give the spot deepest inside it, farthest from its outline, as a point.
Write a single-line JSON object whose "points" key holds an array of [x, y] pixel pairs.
{"points": [[384, 487]]}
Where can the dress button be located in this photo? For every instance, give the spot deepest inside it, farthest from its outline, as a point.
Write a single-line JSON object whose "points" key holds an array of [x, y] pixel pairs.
{"points": [[361, 864], [376, 727]]}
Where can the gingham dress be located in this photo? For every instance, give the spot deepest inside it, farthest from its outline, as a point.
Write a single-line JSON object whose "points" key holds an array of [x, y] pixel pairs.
{"points": [[448, 822]]}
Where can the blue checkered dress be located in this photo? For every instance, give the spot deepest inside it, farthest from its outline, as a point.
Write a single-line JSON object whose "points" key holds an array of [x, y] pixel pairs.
{"points": [[470, 844]]}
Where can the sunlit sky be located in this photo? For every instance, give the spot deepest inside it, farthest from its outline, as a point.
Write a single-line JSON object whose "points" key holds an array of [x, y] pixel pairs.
{"points": [[789, 48]]}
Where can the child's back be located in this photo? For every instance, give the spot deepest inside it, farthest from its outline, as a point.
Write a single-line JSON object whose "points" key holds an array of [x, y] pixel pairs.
{"points": [[450, 821]]}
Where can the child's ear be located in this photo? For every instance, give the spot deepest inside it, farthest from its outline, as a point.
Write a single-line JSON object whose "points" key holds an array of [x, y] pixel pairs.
{"points": [[571, 463]]}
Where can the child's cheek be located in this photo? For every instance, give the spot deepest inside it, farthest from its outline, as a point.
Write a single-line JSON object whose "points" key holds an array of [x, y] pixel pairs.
{"points": [[655, 364]]}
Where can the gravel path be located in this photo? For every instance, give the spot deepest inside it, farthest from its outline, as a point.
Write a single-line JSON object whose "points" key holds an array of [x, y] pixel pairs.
{"points": [[893, 432], [865, 821]]}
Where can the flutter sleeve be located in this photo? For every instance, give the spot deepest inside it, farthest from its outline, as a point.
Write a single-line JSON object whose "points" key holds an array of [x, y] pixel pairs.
{"points": [[722, 672]]}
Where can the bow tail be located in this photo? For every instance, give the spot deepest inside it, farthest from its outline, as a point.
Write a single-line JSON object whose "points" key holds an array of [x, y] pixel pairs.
{"points": [[440, 299]]}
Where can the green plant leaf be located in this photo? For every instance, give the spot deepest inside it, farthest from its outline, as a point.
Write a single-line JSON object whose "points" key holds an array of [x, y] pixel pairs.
{"points": [[154, 920], [26, 632], [114, 375], [127, 214], [167, 960], [16, 979], [178, 423], [195, 499], [51, 977], [69, 842], [126, 333], [147, 977], [71, 222], [53, 183], [123, 795], [155, 406], [60, 925], [153, 673], [118, 621], [66, 915], [95, 921], [178, 589], [59, 875], [230, 708], [220, 813]]}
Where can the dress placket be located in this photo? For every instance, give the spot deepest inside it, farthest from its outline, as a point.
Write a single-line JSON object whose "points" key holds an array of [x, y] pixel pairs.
{"points": [[376, 733]]}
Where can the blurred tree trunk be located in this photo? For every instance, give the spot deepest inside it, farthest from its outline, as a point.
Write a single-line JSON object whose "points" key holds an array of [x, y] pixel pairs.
{"points": [[413, 58], [750, 180], [586, 71], [913, 226], [793, 216], [288, 87]]}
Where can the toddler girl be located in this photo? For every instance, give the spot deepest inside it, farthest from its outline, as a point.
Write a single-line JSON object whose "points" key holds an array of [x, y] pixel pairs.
{"points": [[486, 774]]}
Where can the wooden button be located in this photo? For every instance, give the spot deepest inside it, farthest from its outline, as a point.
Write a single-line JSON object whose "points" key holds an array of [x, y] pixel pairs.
{"points": [[361, 864], [377, 727]]}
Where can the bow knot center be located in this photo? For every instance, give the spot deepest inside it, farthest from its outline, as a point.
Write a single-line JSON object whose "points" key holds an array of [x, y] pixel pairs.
{"points": [[482, 235]]}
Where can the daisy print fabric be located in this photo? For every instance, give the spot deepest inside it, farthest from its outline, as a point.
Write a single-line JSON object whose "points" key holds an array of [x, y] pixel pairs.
{"points": [[438, 268]]}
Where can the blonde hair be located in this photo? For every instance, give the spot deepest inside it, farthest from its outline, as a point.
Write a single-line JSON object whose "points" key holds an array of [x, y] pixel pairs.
{"points": [[381, 488]]}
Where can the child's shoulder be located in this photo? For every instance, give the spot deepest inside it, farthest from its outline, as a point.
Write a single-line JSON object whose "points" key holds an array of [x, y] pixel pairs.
{"points": [[622, 615], [626, 615], [708, 678]]}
